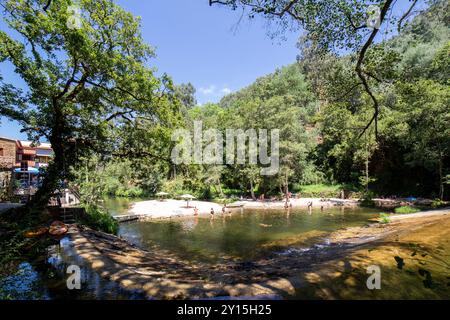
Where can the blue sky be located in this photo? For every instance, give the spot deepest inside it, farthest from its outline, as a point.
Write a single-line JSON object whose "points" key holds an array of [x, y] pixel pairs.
{"points": [[206, 45], [200, 44], [203, 45]]}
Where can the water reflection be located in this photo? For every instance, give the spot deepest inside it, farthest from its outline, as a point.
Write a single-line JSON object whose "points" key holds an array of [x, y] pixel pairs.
{"points": [[45, 278], [244, 234]]}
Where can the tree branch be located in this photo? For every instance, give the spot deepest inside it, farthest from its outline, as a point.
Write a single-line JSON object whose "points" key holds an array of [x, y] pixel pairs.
{"points": [[129, 153], [361, 73], [47, 5], [353, 87], [407, 13]]}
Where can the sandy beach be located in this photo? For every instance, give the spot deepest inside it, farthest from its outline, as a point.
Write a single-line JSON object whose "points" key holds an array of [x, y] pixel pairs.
{"points": [[177, 208], [172, 208], [297, 203]]}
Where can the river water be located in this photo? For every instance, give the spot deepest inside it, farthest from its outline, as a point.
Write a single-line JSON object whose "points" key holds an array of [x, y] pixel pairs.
{"points": [[242, 235]]}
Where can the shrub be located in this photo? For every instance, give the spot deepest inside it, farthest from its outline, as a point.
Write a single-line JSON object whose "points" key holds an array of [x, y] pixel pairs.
{"points": [[175, 187], [384, 218], [438, 203], [231, 192], [367, 200], [317, 190], [130, 192], [406, 209], [99, 220]]}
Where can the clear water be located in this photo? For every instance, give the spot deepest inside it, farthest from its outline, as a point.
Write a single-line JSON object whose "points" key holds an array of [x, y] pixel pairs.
{"points": [[245, 234], [45, 278]]}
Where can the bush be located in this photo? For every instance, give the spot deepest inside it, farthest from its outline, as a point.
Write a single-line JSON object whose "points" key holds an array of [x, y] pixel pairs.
{"points": [[131, 192], [232, 192], [317, 190], [367, 200], [99, 220], [225, 200], [438, 203], [384, 218], [406, 209], [175, 187]]}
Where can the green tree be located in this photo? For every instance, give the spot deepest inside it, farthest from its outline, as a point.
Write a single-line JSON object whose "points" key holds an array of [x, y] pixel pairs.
{"points": [[82, 80], [333, 26], [425, 116]]}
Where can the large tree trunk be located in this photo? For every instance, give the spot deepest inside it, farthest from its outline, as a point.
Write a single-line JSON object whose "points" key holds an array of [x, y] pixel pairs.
{"points": [[52, 179], [56, 170]]}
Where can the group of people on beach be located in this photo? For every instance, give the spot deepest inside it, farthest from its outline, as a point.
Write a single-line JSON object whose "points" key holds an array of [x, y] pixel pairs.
{"points": [[212, 213]]}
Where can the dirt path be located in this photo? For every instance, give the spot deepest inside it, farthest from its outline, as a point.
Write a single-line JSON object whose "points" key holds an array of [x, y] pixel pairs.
{"points": [[336, 271]]}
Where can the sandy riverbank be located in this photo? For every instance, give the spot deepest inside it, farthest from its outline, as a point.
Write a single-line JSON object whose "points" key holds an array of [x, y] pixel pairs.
{"points": [[172, 208], [177, 208], [297, 203], [339, 271]]}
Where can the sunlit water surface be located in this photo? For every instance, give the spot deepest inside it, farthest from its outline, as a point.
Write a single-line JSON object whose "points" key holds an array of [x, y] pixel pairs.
{"points": [[242, 235]]}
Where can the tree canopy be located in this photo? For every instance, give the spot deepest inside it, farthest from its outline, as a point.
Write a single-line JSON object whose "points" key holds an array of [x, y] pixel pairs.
{"points": [[81, 80]]}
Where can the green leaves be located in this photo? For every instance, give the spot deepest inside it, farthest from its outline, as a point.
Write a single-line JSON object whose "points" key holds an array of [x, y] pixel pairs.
{"points": [[84, 81]]}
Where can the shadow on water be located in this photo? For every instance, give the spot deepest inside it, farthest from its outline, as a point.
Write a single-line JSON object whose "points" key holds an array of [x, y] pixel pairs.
{"points": [[408, 271], [45, 278], [262, 244]]}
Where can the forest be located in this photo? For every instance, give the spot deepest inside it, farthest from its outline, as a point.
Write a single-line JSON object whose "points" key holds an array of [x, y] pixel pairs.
{"points": [[110, 119], [357, 116], [321, 111]]}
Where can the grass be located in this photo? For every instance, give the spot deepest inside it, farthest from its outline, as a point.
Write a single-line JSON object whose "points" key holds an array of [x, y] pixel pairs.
{"points": [[406, 209], [318, 190]]}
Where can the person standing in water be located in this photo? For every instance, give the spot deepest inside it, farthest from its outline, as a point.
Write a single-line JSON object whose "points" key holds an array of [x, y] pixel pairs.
{"points": [[212, 213], [310, 206], [195, 211]]}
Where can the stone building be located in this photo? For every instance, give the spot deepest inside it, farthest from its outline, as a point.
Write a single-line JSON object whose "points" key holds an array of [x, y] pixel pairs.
{"points": [[8, 149]]}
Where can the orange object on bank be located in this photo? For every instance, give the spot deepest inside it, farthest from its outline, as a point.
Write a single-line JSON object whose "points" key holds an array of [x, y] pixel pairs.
{"points": [[57, 228]]}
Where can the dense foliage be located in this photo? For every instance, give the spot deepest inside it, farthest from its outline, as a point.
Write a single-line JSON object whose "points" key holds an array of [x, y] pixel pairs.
{"points": [[321, 109], [110, 120], [86, 81]]}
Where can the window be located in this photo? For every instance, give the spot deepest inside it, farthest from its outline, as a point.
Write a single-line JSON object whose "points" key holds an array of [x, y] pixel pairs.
{"points": [[1, 152]]}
